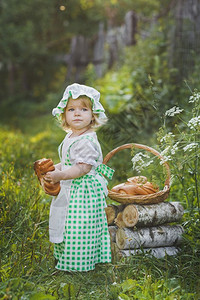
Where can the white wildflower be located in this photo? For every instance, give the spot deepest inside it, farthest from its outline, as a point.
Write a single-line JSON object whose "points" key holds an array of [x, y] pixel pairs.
{"points": [[169, 151], [114, 283], [92, 292], [173, 111], [139, 163], [63, 284], [194, 98], [167, 137], [165, 158], [165, 151], [174, 148], [148, 163], [190, 147], [138, 158], [194, 123], [166, 154]]}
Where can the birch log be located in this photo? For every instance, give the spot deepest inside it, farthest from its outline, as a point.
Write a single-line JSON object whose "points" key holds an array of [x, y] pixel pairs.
{"points": [[159, 252], [112, 230], [119, 221], [159, 236], [112, 211], [151, 215]]}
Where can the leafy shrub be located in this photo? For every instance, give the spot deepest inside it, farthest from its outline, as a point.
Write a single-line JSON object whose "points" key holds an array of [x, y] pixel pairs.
{"points": [[181, 147]]}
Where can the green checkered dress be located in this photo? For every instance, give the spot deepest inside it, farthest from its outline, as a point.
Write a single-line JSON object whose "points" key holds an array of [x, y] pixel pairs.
{"points": [[86, 239]]}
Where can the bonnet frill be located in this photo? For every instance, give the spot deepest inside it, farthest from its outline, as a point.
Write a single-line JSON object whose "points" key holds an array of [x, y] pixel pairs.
{"points": [[76, 90]]}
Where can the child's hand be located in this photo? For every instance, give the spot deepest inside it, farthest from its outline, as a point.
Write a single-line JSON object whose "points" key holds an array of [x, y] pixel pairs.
{"points": [[54, 176], [75, 171]]}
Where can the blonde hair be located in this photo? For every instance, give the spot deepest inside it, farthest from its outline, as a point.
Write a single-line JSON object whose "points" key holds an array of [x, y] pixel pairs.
{"points": [[95, 123]]}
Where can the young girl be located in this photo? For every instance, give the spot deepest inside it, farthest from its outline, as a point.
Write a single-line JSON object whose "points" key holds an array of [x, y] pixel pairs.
{"points": [[77, 222]]}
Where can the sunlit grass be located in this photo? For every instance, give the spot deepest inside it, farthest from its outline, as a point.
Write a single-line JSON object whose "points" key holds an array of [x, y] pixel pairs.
{"points": [[27, 264]]}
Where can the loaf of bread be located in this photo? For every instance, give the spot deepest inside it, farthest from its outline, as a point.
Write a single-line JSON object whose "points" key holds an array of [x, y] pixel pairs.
{"points": [[137, 179], [41, 167], [137, 185]]}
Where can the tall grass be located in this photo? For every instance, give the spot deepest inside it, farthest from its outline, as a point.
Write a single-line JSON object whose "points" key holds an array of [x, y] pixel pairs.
{"points": [[27, 265]]}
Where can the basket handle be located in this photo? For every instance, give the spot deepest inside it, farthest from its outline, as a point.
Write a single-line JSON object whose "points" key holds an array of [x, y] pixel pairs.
{"points": [[140, 146]]}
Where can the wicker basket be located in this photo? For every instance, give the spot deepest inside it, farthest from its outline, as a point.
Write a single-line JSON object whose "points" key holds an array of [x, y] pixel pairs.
{"points": [[157, 197]]}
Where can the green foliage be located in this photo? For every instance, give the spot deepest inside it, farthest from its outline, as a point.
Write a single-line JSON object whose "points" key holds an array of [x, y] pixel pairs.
{"points": [[28, 40], [147, 289], [115, 95], [34, 33], [23, 207], [138, 90], [181, 148], [115, 10], [17, 288], [136, 93], [27, 264]]}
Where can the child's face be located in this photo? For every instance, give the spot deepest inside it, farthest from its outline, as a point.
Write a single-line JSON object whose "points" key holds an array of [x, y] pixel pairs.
{"points": [[78, 113]]}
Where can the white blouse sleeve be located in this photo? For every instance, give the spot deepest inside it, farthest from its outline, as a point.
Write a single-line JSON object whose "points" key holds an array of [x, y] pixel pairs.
{"points": [[84, 151]]}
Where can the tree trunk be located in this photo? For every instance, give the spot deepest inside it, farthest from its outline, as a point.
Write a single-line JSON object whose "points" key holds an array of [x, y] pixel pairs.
{"points": [[185, 38], [160, 252], [159, 236], [130, 28], [99, 51], [151, 215], [112, 211], [78, 57], [11, 78]]}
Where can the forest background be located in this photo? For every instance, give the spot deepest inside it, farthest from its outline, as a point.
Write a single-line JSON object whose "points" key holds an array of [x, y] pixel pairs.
{"points": [[144, 58]]}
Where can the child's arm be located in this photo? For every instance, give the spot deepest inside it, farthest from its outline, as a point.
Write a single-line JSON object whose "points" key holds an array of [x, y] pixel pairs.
{"points": [[58, 166], [75, 171]]}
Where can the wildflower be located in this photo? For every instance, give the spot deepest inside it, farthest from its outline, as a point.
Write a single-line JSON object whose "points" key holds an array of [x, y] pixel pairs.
{"points": [[139, 163], [174, 148], [194, 123], [168, 152], [190, 147], [167, 137], [165, 158], [194, 98], [166, 155], [173, 111]]}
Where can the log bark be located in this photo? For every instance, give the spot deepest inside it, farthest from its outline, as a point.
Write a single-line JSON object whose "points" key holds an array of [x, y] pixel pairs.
{"points": [[159, 236], [112, 230], [159, 252], [151, 215], [112, 211]]}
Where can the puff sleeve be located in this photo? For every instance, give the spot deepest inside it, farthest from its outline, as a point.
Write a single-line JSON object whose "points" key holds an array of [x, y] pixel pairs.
{"points": [[84, 151]]}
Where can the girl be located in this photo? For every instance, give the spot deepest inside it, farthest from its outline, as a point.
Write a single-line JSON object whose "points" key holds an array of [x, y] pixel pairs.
{"points": [[77, 223]]}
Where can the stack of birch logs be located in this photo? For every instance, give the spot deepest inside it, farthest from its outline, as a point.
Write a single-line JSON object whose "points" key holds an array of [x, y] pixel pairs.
{"points": [[136, 228]]}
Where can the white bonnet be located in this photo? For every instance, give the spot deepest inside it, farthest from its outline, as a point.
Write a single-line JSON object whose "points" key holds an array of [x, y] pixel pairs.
{"points": [[74, 91]]}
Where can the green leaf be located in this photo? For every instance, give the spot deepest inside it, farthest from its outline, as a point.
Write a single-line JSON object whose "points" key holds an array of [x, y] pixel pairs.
{"points": [[42, 296], [123, 297], [128, 285]]}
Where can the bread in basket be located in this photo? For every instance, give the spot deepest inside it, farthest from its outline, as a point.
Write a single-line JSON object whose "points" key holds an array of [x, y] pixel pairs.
{"points": [[155, 196]]}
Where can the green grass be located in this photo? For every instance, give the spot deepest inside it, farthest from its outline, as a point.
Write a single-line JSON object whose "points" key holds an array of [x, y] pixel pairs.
{"points": [[27, 264]]}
